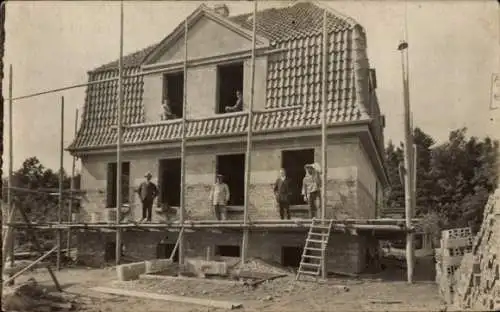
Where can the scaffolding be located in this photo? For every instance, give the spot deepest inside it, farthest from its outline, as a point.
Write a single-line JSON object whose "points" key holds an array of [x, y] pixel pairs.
{"points": [[346, 226]]}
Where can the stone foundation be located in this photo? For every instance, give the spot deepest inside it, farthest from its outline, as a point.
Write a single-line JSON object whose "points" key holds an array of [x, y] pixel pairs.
{"points": [[346, 253]]}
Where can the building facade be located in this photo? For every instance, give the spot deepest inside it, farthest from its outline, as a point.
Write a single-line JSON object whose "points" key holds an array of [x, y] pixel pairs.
{"points": [[288, 74]]}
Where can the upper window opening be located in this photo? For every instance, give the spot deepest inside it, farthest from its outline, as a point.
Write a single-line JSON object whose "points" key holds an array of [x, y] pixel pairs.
{"points": [[173, 96], [229, 88]]}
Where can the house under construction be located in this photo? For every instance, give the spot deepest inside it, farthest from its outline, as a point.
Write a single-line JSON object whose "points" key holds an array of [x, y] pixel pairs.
{"points": [[190, 81]]}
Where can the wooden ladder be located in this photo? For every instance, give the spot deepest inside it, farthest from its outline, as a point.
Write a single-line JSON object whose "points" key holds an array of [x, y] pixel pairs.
{"points": [[314, 253]]}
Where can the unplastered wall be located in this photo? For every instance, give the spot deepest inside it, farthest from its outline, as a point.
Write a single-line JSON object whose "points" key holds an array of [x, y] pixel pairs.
{"points": [[366, 184], [345, 253], [94, 175], [347, 187]]}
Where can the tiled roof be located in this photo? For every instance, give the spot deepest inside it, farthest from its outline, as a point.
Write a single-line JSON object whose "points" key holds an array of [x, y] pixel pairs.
{"points": [[293, 78]]}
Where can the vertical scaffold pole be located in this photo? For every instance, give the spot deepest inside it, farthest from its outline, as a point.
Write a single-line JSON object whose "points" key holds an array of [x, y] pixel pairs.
{"points": [[324, 166], [248, 158], [71, 193], [183, 147], [118, 250], [61, 182]]}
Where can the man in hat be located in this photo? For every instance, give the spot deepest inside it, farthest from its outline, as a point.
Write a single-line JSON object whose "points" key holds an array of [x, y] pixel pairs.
{"points": [[147, 193], [219, 196], [282, 192], [311, 186]]}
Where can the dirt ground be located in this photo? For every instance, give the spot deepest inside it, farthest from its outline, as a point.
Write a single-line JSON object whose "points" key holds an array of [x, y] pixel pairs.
{"points": [[365, 294]]}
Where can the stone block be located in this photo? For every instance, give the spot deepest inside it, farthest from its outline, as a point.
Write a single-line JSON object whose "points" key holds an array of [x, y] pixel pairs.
{"points": [[203, 267], [131, 271], [157, 265]]}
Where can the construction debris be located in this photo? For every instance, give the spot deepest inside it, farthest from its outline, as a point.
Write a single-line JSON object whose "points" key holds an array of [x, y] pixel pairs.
{"points": [[30, 296]]}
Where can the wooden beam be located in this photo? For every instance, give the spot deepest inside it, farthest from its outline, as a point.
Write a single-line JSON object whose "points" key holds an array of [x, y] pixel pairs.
{"points": [[8, 246], [61, 182], [118, 250], [34, 263], [34, 241], [182, 210], [248, 152], [324, 156], [183, 299], [408, 146], [72, 187]]}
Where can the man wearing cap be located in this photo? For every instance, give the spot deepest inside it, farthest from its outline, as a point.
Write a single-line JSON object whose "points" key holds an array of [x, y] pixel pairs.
{"points": [[219, 196], [311, 186], [147, 192]]}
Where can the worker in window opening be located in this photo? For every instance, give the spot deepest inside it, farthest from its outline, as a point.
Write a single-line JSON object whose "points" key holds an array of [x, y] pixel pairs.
{"points": [[282, 192], [147, 192], [167, 112], [219, 196], [239, 103], [311, 186]]}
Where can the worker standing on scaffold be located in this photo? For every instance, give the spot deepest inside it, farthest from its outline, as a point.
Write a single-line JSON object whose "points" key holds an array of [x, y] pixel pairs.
{"points": [[311, 188], [147, 192], [219, 196]]}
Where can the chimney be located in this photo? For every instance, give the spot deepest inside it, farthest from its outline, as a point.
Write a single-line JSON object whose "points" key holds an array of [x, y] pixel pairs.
{"points": [[221, 9]]}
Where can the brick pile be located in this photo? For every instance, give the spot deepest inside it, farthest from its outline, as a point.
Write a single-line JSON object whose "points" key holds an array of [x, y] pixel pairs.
{"points": [[475, 282], [479, 288], [455, 243]]}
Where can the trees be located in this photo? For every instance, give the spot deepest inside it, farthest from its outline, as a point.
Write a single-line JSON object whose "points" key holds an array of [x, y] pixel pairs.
{"points": [[37, 192], [454, 179], [41, 203]]}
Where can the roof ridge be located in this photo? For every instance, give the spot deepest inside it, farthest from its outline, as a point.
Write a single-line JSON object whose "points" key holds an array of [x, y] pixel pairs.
{"points": [[339, 14]]}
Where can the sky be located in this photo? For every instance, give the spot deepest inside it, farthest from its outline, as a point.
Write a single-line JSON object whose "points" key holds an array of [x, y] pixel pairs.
{"points": [[454, 48]]}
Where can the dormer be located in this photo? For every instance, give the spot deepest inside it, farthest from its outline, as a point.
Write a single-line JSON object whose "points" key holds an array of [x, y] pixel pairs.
{"points": [[219, 69]]}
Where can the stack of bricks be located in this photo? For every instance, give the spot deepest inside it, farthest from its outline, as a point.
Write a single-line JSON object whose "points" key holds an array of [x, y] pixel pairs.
{"points": [[455, 243], [479, 287]]}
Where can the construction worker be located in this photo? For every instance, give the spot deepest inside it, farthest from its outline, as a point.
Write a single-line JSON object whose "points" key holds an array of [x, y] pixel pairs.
{"points": [[282, 192], [147, 193], [238, 107], [311, 186], [219, 196]]}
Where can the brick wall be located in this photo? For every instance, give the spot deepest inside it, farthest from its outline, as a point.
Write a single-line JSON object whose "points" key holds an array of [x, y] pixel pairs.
{"points": [[345, 252]]}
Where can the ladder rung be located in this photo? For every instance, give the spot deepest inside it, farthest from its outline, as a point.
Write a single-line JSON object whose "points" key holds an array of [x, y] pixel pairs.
{"points": [[308, 272], [316, 265], [311, 248], [319, 234], [325, 227], [315, 241], [312, 257]]}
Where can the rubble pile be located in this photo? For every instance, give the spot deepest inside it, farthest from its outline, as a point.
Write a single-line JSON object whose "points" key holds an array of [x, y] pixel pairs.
{"points": [[30, 296], [261, 266]]}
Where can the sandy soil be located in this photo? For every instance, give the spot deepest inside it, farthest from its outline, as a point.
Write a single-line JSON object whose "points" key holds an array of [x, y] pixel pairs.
{"points": [[365, 294]]}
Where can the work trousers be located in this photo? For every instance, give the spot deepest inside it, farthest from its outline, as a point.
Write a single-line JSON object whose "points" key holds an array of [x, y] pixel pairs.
{"points": [[284, 207], [147, 209], [220, 212], [312, 201]]}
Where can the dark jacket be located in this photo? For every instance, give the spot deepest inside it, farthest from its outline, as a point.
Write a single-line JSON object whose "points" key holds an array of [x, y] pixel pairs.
{"points": [[282, 190], [147, 191]]}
